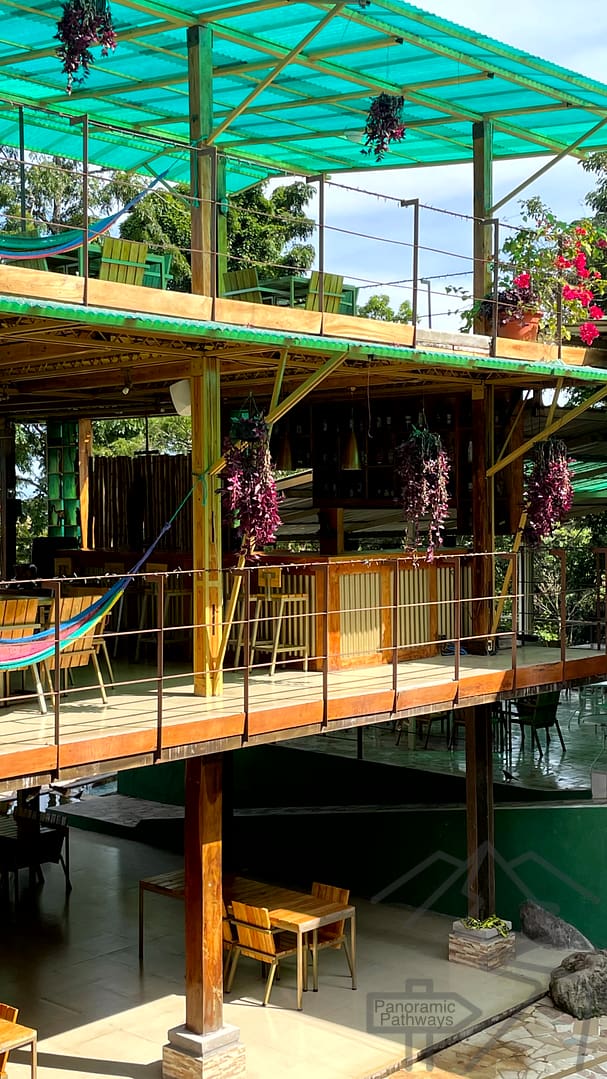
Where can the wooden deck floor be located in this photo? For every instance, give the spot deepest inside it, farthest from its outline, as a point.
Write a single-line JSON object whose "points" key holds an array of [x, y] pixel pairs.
{"points": [[136, 726]]}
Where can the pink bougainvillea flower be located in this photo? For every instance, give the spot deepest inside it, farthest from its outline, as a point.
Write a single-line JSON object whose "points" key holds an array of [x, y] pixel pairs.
{"points": [[594, 311], [580, 261], [602, 242], [580, 231], [588, 333], [523, 280], [562, 263]]}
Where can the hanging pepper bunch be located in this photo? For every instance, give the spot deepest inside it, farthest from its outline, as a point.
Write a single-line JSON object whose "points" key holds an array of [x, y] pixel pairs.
{"points": [[250, 498], [549, 491], [422, 467], [384, 124], [84, 23]]}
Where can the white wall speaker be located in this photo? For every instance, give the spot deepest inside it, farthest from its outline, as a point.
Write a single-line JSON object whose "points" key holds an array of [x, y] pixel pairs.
{"points": [[180, 396]]}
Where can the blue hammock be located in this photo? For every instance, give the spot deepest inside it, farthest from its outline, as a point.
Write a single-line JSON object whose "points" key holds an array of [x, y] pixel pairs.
{"points": [[22, 246]]}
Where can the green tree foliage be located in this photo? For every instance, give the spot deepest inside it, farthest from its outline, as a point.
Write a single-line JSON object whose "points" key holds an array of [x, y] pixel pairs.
{"points": [[378, 307], [125, 438]]}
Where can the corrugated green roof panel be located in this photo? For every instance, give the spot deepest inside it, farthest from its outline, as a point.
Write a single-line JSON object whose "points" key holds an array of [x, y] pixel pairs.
{"points": [[449, 75]]}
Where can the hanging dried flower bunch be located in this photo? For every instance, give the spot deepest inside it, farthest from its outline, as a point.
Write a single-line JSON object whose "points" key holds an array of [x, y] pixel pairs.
{"points": [[422, 467], [83, 23], [549, 490], [384, 124], [250, 497]]}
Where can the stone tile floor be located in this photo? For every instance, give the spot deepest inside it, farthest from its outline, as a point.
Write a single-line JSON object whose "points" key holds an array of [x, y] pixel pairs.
{"points": [[538, 1043], [555, 771], [73, 971]]}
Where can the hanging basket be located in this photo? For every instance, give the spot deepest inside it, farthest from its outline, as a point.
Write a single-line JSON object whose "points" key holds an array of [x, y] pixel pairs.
{"points": [[422, 467], [250, 498], [384, 124], [83, 25], [549, 491]]}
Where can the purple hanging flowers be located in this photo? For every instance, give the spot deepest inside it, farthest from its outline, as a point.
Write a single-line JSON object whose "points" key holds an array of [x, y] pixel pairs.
{"points": [[422, 467], [549, 491], [84, 23], [384, 124], [250, 498]]}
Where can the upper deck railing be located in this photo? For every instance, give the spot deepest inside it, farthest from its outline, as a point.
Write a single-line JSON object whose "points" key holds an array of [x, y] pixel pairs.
{"points": [[429, 247], [320, 643]]}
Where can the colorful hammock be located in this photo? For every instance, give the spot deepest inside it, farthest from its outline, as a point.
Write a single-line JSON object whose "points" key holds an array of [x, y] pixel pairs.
{"points": [[24, 651], [23, 246]]}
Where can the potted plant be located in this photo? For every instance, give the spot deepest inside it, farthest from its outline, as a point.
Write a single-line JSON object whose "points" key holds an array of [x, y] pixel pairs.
{"points": [[543, 261], [83, 23], [249, 495], [384, 124], [484, 928], [422, 470]]}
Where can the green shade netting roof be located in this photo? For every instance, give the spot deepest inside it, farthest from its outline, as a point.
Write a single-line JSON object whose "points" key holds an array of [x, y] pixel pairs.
{"points": [[311, 116], [589, 480]]}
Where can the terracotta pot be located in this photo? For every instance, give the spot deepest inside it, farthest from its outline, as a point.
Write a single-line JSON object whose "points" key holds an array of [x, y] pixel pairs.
{"points": [[525, 329]]}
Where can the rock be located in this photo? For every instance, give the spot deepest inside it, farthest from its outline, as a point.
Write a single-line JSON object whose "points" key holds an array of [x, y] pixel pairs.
{"points": [[539, 924], [579, 985]]}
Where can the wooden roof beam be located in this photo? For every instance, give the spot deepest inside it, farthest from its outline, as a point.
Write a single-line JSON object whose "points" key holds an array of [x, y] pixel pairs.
{"points": [[282, 64], [548, 431]]}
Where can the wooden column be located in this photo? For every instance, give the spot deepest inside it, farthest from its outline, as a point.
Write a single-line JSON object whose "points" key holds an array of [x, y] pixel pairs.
{"points": [[205, 382], [479, 812], [482, 143], [331, 531], [8, 508], [481, 518], [200, 79], [203, 898], [85, 450], [206, 515]]}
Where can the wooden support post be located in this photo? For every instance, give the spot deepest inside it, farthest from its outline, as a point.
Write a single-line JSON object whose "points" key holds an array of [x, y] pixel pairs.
{"points": [[200, 75], [206, 515], [85, 450], [482, 143], [331, 530], [205, 1048], [481, 520], [203, 897], [8, 509], [479, 813]]}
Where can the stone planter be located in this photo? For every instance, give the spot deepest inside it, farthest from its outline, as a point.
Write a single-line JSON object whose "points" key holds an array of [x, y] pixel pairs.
{"points": [[485, 949]]}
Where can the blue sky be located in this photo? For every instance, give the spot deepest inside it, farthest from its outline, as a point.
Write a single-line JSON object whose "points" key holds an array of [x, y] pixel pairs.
{"points": [[569, 34]]}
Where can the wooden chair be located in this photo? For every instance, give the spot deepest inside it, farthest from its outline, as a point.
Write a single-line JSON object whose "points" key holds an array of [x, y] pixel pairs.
{"points": [[122, 261], [81, 651], [330, 936], [9, 1014], [229, 941], [332, 292], [19, 618], [100, 642], [157, 270], [256, 939], [271, 602], [242, 285], [539, 713], [43, 838]]}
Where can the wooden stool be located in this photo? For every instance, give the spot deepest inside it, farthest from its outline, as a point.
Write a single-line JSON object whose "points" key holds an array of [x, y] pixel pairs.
{"points": [[176, 601], [278, 603]]}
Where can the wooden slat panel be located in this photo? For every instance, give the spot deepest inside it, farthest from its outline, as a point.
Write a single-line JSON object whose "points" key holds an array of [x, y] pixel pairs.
{"points": [[360, 615]]}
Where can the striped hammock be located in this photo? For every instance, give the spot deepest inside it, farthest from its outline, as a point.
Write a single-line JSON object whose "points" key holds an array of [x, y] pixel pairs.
{"points": [[21, 246], [16, 653]]}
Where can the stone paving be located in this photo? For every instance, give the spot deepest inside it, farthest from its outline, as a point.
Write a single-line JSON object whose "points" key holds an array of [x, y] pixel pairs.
{"points": [[538, 1042]]}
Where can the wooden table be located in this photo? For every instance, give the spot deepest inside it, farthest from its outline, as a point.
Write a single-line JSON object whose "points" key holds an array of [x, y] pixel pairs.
{"points": [[293, 912], [14, 1036]]}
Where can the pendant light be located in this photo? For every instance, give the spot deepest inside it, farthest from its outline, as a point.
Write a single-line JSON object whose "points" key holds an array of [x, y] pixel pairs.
{"points": [[350, 457]]}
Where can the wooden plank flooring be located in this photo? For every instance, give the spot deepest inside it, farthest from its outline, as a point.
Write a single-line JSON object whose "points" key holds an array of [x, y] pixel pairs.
{"points": [[127, 727]]}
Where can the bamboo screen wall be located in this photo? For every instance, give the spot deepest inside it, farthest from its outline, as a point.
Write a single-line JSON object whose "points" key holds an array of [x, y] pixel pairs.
{"points": [[131, 498]]}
